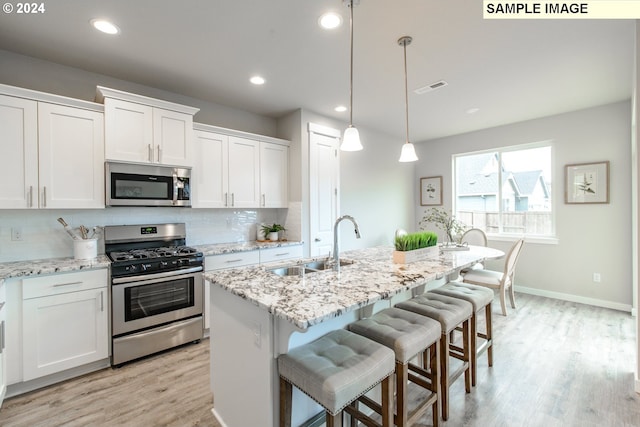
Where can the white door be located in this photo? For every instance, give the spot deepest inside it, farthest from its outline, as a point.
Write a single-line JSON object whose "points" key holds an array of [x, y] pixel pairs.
{"points": [[19, 148], [324, 182], [71, 157]]}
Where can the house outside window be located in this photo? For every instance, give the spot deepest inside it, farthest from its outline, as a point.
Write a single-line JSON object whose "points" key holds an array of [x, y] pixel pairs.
{"points": [[506, 191]]}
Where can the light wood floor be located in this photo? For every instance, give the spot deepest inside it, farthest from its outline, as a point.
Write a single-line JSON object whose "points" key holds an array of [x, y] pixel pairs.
{"points": [[556, 363]]}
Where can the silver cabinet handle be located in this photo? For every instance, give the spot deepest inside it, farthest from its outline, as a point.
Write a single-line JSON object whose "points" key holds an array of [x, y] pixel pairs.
{"points": [[150, 153], [226, 199], [31, 196], [101, 300], [317, 239], [264, 200], [233, 199], [58, 285], [231, 261], [159, 154], [44, 196]]}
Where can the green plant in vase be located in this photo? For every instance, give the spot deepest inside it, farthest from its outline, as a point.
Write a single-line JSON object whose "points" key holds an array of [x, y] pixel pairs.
{"points": [[445, 221], [271, 231]]}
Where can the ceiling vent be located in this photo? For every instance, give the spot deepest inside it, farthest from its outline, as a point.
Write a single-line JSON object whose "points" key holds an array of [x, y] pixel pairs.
{"points": [[431, 87]]}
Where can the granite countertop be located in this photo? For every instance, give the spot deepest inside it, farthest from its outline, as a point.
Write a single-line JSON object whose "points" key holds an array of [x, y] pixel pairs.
{"points": [[37, 267], [316, 297]]}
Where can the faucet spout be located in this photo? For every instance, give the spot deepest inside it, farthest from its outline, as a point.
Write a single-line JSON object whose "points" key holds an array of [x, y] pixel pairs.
{"points": [[336, 252]]}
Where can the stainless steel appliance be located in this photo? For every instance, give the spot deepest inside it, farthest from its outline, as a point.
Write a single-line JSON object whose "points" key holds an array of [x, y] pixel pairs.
{"points": [[138, 184], [157, 289]]}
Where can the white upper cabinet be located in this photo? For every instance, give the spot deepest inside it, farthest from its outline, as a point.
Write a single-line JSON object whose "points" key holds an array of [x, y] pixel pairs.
{"points": [[53, 155], [239, 170], [146, 130], [274, 175], [244, 172]]}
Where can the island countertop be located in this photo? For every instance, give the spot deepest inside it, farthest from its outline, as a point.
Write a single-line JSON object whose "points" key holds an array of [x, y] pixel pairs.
{"points": [[319, 296]]}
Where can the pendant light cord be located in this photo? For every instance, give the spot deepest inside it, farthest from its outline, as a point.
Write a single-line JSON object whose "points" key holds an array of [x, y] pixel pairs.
{"points": [[351, 67], [406, 90]]}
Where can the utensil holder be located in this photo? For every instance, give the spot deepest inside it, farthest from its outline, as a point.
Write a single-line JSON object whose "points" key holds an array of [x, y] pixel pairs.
{"points": [[85, 249]]}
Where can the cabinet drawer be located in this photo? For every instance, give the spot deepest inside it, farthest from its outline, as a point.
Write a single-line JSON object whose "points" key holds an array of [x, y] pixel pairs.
{"points": [[34, 287], [281, 253], [232, 260]]}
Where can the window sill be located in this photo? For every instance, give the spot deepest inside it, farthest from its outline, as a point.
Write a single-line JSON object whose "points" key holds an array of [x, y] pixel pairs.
{"points": [[542, 240]]}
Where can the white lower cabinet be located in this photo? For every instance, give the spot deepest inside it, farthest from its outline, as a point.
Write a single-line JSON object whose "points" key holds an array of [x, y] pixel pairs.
{"points": [[64, 322]]}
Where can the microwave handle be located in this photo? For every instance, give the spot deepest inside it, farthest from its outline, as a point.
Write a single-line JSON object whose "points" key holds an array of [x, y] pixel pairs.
{"points": [[175, 187]]}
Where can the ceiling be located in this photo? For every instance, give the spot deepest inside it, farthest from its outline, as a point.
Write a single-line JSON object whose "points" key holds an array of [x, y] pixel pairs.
{"points": [[511, 70]]}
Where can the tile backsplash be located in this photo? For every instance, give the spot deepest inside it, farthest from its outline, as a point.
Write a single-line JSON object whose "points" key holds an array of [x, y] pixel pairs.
{"points": [[43, 237]]}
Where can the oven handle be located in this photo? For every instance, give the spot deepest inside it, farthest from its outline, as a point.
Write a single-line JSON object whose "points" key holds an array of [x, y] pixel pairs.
{"points": [[119, 280]]}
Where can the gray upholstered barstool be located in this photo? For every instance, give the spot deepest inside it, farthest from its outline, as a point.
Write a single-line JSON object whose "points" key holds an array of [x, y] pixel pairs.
{"points": [[480, 298], [408, 335], [450, 312], [335, 370]]}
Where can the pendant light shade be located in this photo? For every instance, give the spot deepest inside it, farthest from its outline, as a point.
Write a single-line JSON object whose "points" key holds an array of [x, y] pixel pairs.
{"points": [[408, 153], [351, 138]]}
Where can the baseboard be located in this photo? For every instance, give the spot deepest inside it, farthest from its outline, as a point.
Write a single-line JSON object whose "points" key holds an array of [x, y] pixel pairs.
{"points": [[218, 417], [575, 298]]}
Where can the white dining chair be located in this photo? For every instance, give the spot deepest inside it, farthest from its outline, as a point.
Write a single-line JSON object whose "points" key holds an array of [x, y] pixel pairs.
{"points": [[474, 237], [502, 281]]}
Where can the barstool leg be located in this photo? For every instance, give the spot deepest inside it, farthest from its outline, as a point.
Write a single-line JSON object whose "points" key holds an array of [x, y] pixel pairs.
{"points": [[334, 420], [387, 402], [286, 391], [474, 347], [466, 354], [402, 376], [434, 364], [489, 338], [444, 375]]}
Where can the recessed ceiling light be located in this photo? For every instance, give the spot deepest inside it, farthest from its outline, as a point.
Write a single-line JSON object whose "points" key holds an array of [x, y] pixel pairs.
{"points": [[105, 26], [472, 110], [330, 20], [340, 109], [257, 80]]}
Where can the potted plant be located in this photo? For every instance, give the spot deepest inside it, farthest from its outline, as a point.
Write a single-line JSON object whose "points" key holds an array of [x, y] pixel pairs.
{"points": [[415, 247], [445, 222], [271, 231]]}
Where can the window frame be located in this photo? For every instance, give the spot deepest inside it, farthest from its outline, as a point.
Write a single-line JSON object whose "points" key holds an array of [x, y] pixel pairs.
{"points": [[502, 236]]}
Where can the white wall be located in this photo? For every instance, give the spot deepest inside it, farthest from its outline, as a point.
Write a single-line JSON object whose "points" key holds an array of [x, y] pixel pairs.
{"points": [[591, 238], [374, 187]]}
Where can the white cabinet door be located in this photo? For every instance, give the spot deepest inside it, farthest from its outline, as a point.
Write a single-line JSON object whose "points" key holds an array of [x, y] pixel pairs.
{"points": [[274, 175], [70, 157], [64, 331], [210, 172], [19, 147], [128, 131], [173, 137], [244, 172]]}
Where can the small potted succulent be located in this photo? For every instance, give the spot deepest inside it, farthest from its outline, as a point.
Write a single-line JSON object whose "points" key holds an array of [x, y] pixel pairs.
{"points": [[271, 231], [415, 247]]}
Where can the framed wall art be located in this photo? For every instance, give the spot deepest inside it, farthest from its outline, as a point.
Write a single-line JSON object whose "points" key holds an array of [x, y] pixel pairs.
{"points": [[587, 183], [431, 191]]}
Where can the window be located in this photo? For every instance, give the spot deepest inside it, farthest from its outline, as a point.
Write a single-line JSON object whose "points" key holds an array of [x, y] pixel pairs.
{"points": [[506, 191]]}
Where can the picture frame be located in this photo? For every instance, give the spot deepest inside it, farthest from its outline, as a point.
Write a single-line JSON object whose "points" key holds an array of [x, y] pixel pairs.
{"points": [[431, 191], [587, 183]]}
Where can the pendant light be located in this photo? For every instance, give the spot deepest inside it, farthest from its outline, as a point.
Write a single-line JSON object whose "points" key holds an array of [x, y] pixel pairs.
{"points": [[351, 138], [408, 153]]}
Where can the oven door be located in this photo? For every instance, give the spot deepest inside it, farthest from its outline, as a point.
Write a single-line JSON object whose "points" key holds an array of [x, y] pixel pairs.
{"points": [[142, 303]]}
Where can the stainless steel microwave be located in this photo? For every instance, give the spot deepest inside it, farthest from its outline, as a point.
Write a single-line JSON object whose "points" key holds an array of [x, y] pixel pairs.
{"points": [[138, 184]]}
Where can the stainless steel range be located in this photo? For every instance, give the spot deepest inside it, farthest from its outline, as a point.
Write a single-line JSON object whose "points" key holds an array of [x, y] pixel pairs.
{"points": [[157, 289]]}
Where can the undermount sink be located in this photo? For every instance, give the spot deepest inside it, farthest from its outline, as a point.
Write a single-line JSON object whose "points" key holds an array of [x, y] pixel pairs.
{"points": [[307, 268]]}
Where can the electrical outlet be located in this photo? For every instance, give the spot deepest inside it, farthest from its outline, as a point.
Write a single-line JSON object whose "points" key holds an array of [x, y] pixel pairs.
{"points": [[16, 234], [596, 277]]}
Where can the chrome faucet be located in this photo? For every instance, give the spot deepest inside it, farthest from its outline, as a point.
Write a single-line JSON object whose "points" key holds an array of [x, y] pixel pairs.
{"points": [[336, 254]]}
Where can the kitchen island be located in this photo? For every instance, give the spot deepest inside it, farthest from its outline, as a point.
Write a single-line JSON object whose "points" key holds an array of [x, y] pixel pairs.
{"points": [[257, 315]]}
